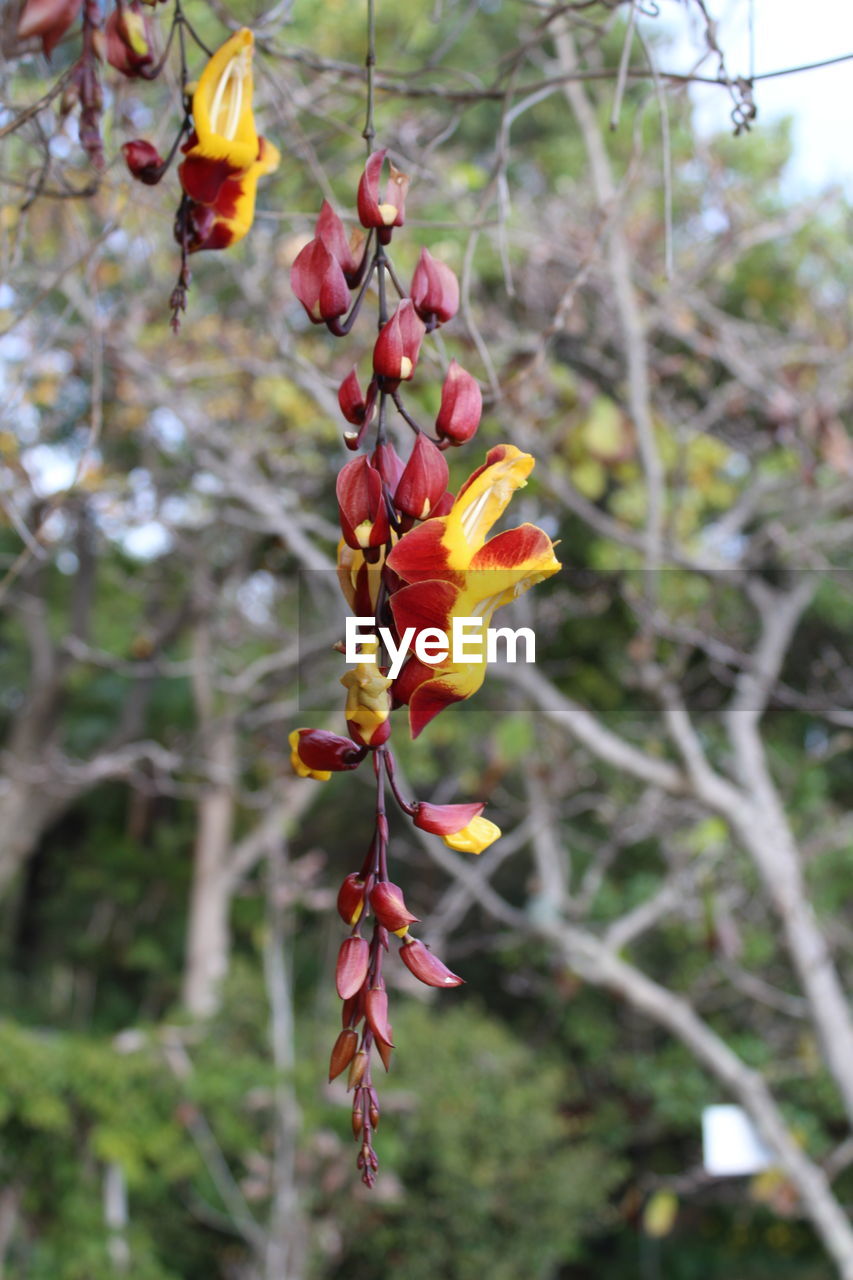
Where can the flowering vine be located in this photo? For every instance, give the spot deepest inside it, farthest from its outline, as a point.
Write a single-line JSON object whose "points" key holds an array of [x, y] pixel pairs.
{"points": [[412, 557], [224, 157]]}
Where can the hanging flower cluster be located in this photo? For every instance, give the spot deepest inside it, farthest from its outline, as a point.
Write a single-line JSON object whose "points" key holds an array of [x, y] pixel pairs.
{"points": [[413, 557], [224, 157]]}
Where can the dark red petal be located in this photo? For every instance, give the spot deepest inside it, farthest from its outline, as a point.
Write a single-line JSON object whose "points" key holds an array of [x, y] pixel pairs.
{"points": [[351, 970]]}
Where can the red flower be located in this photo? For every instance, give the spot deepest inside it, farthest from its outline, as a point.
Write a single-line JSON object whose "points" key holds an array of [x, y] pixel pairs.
{"points": [[331, 231], [424, 480], [356, 407], [392, 210], [461, 406], [389, 907], [48, 19], [319, 283], [426, 967], [434, 291], [314, 753], [361, 505], [143, 161], [130, 40], [351, 969], [395, 354], [445, 819]]}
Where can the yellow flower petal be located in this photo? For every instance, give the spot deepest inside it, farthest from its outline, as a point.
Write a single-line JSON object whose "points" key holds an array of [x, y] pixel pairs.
{"points": [[222, 104], [474, 838]]}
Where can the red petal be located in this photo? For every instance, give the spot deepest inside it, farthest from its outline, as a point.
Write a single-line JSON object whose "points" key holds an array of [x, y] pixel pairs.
{"points": [[331, 231], [376, 1012], [343, 1052], [351, 971], [368, 192], [427, 967], [424, 604], [420, 554], [519, 549], [446, 819]]}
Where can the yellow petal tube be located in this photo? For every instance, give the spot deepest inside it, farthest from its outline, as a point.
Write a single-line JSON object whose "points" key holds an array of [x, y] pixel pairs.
{"points": [[222, 104], [474, 838], [482, 501]]}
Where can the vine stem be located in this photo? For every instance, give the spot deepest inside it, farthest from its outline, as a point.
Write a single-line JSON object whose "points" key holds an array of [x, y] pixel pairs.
{"points": [[369, 132]]}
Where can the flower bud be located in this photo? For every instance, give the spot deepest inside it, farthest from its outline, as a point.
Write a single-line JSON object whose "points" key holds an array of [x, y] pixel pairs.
{"points": [[434, 291], [374, 1115], [392, 210], [315, 753], [351, 899], [376, 1012], [319, 283], [129, 35], [143, 161], [331, 231], [424, 480], [475, 837], [361, 505], [395, 354], [461, 406], [357, 1117], [384, 1049], [389, 464], [351, 969], [352, 1010], [48, 19], [389, 907], [445, 819], [342, 1052], [356, 408], [357, 1068], [426, 967]]}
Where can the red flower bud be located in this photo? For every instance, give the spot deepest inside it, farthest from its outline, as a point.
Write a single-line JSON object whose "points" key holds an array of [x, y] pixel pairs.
{"points": [[384, 1049], [423, 482], [396, 351], [435, 290], [357, 1068], [461, 406], [389, 464], [49, 19], [445, 819], [331, 231], [376, 1012], [351, 898], [143, 161], [352, 1010], [319, 283], [356, 408], [426, 967], [392, 211], [357, 1117], [361, 505], [387, 904], [343, 1052], [130, 40], [319, 751], [351, 971]]}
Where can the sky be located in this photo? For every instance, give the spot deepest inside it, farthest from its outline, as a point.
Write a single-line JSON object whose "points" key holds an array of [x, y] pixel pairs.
{"points": [[787, 33]]}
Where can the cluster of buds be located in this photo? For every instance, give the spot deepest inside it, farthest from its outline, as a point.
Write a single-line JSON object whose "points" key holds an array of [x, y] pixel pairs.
{"points": [[224, 157], [411, 554], [126, 40]]}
